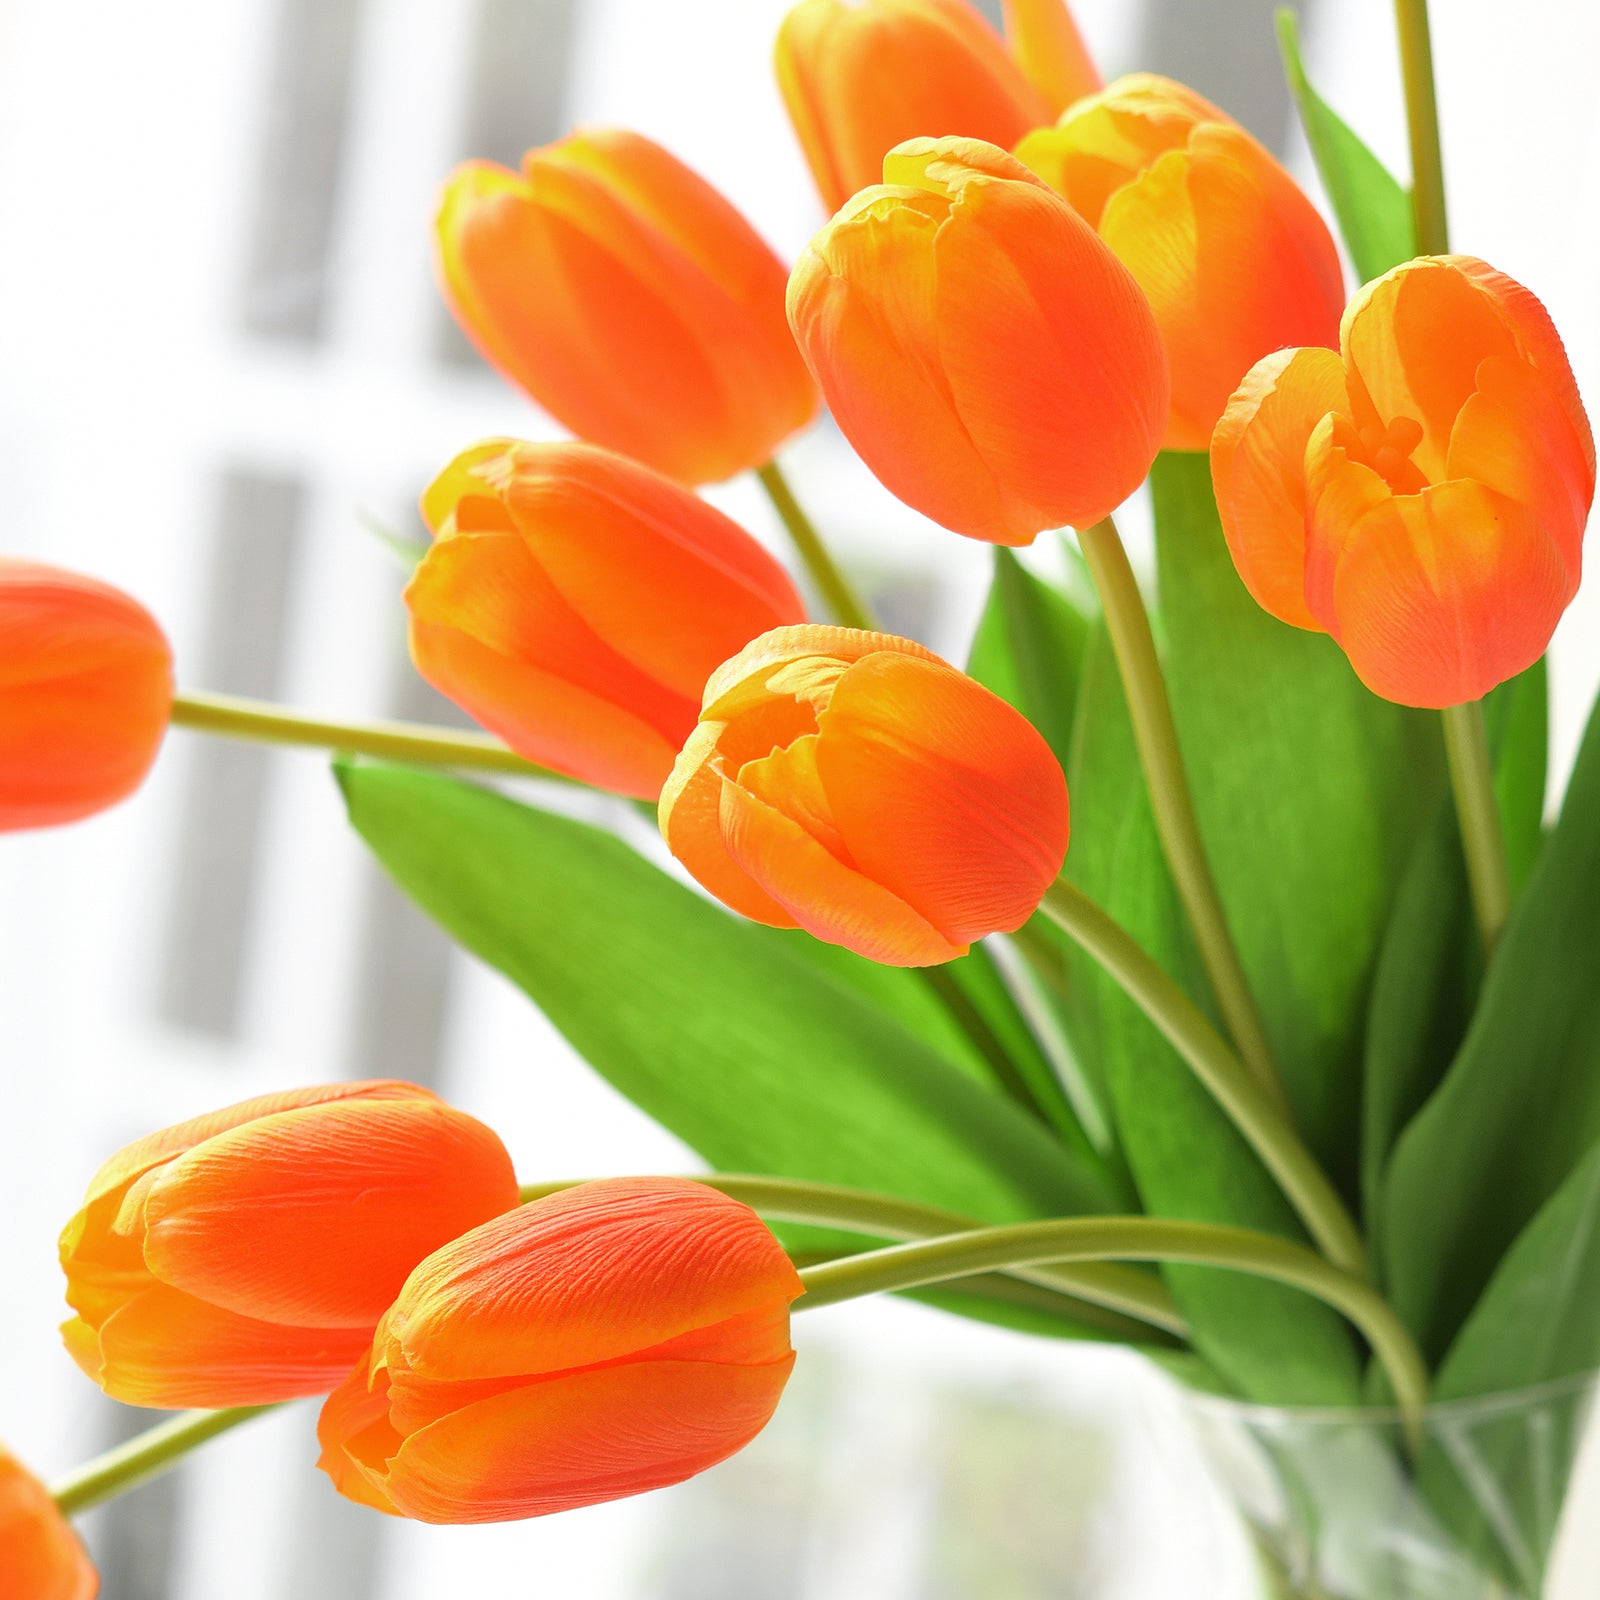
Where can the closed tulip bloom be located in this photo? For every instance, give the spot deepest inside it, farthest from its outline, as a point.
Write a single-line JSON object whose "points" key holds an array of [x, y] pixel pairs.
{"points": [[861, 76], [246, 1256], [991, 361], [629, 299], [612, 1338], [575, 603], [1420, 495], [1233, 257], [855, 785], [40, 1556], [85, 693]]}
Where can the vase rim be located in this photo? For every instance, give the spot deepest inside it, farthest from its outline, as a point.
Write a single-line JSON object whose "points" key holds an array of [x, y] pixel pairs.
{"points": [[1469, 1407]]}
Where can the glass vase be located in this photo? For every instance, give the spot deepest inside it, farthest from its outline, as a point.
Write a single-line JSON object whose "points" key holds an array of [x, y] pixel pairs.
{"points": [[1341, 1505]]}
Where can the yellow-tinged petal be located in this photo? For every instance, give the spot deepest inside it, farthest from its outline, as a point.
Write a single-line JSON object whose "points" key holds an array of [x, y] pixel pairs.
{"points": [[1045, 41]]}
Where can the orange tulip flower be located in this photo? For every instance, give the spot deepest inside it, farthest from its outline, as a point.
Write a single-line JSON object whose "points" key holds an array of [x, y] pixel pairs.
{"points": [[990, 360], [855, 785], [629, 299], [40, 1556], [609, 1339], [85, 693], [1420, 495], [575, 603], [246, 1256], [860, 78], [1233, 257]]}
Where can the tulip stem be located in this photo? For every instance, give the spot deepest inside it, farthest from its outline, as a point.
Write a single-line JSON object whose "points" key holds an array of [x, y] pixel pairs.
{"points": [[846, 605], [144, 1456], [1466, 744], [1250, 1108], [827, 1205], [1156, 735], [266, 723], [1085, 1239], [1422, 117]]}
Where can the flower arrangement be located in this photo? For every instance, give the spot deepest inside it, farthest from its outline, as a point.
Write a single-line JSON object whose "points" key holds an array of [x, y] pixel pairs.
{"points": [[1272, 1057]]}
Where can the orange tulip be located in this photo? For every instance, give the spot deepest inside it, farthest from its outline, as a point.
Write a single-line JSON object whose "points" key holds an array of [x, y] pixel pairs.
{"points": [[610, 1339], [1233, 257], [575, 603], [628, 298], [40, 1556], [855, 785], [85, 693], [246, 1256], [860, 78], [990, 360], [1420, 495]]}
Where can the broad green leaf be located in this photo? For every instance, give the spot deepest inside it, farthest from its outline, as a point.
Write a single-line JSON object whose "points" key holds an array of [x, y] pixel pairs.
{"points": [[1311, 793], [1373, 210], [756, 1059], [1520, 1106], [1430, 963], [1272, 1344], [1498, 1476], [1028, 649]]}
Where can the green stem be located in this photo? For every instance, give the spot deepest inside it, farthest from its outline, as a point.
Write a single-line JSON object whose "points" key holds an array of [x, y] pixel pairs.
{"points": [[266, 723], [1422, 118], [1466, 743], [1252, 1111], [827, 1205], [1170, 798], [836, 589], [144, 1456], [1084, 1239]]}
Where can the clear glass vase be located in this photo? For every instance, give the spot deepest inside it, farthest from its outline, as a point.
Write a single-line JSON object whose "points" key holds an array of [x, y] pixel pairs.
{"points": [[1340, 1507]]}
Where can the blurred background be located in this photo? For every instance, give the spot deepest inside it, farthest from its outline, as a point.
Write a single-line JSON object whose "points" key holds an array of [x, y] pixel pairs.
{"points": [[221, 357]]}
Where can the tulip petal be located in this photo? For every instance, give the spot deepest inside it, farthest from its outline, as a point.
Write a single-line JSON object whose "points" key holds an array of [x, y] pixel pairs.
{"points": [[357, 1439], [465, 482], [1258, 457], [316, 1217], [822, 894], [1044, 40], [741, 682], [590, 1274], [788, 781], [574, 1440], [943, 794], [40, 1556]]}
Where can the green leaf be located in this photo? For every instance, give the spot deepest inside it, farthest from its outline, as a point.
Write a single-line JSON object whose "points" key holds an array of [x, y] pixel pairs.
{"points": [[1373, 210], [1272, 1344], [1430, 964], [1520, 1106], [758, 1060], [1311, 794], [1028, 649]]}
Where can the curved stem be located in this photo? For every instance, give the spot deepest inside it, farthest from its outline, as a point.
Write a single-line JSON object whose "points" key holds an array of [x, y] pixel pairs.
{"points": [[1253, 1112], [846, 605], [1422, 118], [144, 1456], [1466, 744], [1082, 1239], [1133, 1293], [266, 723], [1157, 738]]}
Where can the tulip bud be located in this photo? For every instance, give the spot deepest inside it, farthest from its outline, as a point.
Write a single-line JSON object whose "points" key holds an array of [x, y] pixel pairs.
{"points": [[1421, 495], [1234, 259], [860, 78], [855, 785], [246, 1256], [575, 603], [629, 299], [40, 1556], [609, 1339], [991, 361], [85, 693]]}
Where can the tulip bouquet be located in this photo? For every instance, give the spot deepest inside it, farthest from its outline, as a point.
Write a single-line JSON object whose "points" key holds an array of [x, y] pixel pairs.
{"points": [[1286, 1073]]}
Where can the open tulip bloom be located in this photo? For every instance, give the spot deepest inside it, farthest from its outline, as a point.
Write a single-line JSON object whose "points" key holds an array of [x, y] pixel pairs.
{"points": [[1285, 1073]]}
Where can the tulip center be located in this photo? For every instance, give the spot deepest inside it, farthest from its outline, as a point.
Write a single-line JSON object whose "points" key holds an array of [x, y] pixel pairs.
{"points": [[1387, 449]]}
